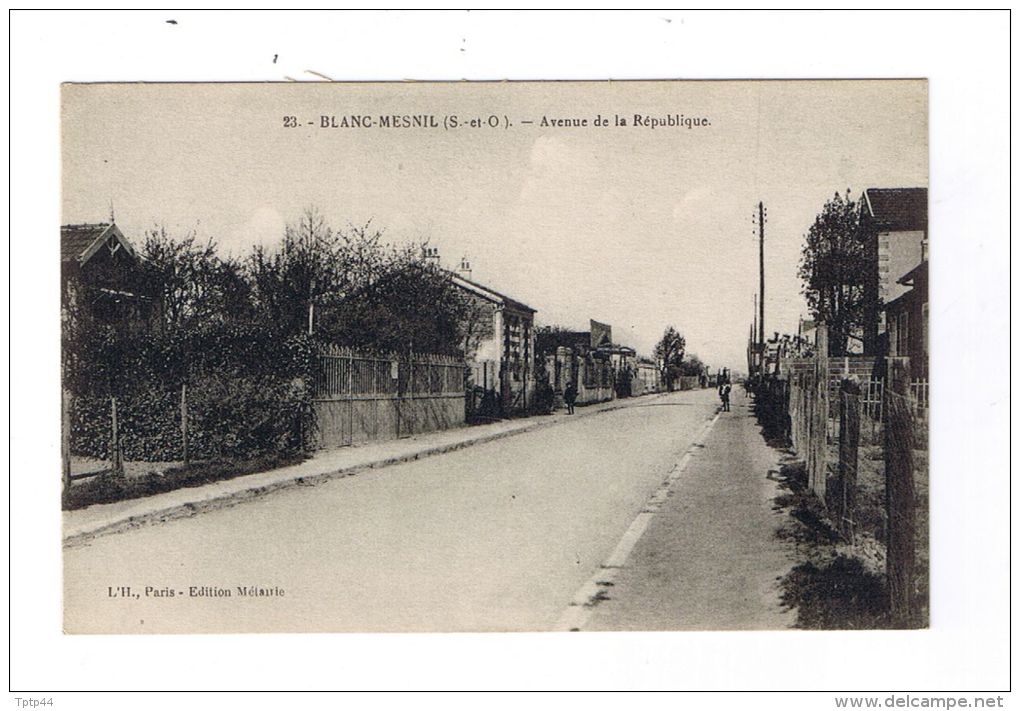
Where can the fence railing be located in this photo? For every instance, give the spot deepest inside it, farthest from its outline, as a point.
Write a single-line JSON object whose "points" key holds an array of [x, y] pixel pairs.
{"points": [[350, 374], [919, 397], [871, 399], [863, 444], [352, 396], [359, 396], [347, 372]]}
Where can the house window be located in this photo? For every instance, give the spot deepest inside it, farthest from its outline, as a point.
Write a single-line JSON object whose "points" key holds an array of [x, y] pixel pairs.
{"points": [[902, 333], [924, 329]]}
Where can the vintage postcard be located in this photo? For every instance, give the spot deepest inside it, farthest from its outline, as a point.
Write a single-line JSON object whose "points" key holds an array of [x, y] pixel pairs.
{"points": [[494, 356]]}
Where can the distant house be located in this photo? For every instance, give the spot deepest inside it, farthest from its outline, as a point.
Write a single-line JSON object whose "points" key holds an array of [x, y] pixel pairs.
{"points": [[102, 276], [547, 342], [895, 225], [805, 340], [648, 377], [598, 368], [907, 320], [781, 347], [620, 357], [504, 360]]}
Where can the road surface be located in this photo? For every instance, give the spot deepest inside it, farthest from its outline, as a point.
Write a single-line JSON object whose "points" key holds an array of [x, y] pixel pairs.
{"points": [[711, 558], [498, 536]]}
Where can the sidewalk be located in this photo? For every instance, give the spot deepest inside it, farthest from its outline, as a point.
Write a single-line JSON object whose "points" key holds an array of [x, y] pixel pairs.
{"points": [[709, 558], [84, 524]]}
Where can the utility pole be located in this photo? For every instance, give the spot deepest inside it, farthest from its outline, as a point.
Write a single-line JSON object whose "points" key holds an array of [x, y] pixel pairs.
{"points": [[754, 337], [761, 278], [750, 351], [311, 306]]}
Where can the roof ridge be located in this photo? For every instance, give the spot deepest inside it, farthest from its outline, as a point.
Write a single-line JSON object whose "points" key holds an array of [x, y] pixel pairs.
{"points": [[79, 225], [491, 290], [914, 187]]}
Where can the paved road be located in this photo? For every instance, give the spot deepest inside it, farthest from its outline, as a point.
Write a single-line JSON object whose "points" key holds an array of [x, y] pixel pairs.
{"points": [[498, 536], [711, 558]]}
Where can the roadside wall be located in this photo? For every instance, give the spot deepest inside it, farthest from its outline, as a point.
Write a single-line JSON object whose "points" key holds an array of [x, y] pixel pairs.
{"points": [[360, 396]]}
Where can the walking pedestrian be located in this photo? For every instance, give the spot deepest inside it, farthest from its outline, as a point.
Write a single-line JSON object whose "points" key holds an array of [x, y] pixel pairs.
{"points": [[569, 397], [724, 395]]}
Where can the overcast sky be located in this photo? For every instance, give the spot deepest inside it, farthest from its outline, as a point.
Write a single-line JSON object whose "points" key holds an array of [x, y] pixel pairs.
{"points": [[636, 227]]}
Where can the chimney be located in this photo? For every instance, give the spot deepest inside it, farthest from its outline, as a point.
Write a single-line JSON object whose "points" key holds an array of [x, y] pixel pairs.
{"points": [[464, 269], [430, 255]]}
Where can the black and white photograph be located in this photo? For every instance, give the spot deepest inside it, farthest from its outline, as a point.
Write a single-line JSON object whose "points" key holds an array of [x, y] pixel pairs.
{"points": [[526, 351]]}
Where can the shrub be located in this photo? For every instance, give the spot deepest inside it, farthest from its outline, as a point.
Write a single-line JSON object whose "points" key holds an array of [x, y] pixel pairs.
{"points": [[543, 400], [841, 594], [247, 392]]}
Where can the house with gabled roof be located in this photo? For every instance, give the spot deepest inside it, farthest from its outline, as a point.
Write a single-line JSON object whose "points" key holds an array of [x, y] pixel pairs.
{"points": [[907, 320], [102, 274], [502, 359], [894, 222]]}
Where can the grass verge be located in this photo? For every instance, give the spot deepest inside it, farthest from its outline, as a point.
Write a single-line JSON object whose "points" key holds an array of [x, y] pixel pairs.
{"points": [[831, 589], [107, 488]]}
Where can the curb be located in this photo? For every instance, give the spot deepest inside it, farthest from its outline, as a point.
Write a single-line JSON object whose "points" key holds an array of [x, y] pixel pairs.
{"points": [[187, 510]]}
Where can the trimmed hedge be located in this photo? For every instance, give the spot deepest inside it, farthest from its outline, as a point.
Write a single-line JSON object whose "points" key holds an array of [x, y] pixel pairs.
{"points": [[149, 426], [247, 393], [226, 418]]}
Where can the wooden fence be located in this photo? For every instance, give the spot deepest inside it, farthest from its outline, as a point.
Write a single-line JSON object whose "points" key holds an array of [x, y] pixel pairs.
{"points": [[361, 396], [826, 427], [918, 398]]}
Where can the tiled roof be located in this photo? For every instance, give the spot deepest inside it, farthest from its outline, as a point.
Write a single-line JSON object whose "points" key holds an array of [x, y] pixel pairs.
{"points": [[921, 270], [79, 242], [75, 239], [551, 340], [897, 209]]}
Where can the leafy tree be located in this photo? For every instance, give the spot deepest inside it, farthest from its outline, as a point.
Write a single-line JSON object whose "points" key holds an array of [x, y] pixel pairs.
{"points": [[692, 365], [834, 267], [411, 306], [669, 351], [230, 298]]}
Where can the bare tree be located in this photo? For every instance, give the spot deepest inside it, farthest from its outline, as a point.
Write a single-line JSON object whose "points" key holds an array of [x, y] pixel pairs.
{"points": [[476, 324], [301, 273], [192, 283]]}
